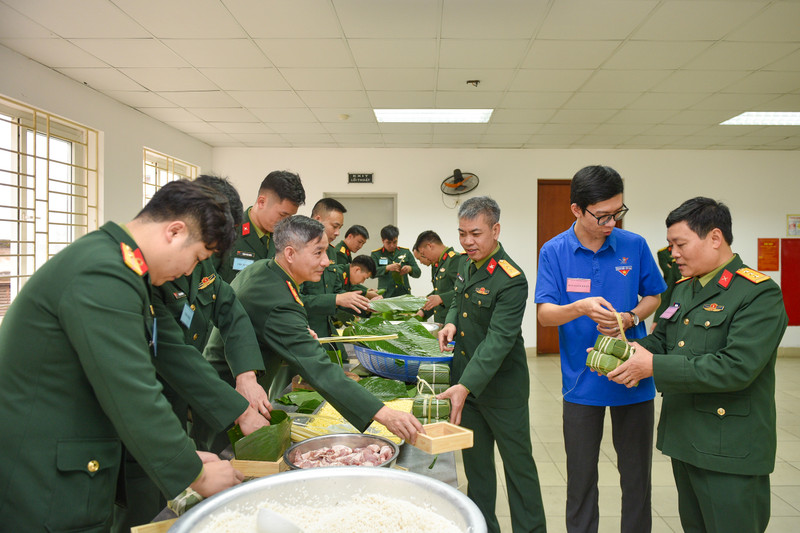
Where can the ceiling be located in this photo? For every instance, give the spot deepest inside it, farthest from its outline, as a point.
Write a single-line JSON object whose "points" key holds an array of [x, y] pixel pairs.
{"points": [[307, 73]]}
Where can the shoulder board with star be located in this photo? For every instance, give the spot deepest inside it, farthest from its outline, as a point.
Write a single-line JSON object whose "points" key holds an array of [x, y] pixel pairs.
{"points": [[451, 253], [294, 293], [133, 259], [682, 280], [753, 275], [508, 268], [377, 250]]}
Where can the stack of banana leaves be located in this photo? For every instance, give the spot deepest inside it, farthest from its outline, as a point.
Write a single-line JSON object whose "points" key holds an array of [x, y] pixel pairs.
{"points": [[397, 307], [412, 337]]}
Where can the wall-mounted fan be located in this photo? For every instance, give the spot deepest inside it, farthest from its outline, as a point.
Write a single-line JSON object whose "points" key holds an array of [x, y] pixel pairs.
{"points": [[459, 183]]}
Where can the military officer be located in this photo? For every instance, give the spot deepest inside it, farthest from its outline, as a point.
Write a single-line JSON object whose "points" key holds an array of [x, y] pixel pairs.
{"points": [[353, 241], [491, 384], [444, 262], [270, 295], [394, 264], [77, 381], [280, 195], [712, 356], [356, 273]]}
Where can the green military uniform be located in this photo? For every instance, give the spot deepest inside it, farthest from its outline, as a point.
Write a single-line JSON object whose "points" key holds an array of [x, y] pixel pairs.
{"points": [[671, 274], [77, 383], [344, 255], [393, 282], [489, 360], [186, 308], [250, 246], [443, 277], [319, 298], [279, 319], [714, 362]]}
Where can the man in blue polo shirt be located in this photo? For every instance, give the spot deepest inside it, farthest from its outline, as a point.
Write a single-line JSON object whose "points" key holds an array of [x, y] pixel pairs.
{"points": [[585, 275]]}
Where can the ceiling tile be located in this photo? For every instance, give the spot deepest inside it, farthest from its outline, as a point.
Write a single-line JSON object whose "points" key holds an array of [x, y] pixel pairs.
{"points": [[620, 129], [183, 18], [71, 19], [602, 141], [318, 79], [169, 114], [140, 98], [667, 100], [223, 114], [591, 20], [352, 127], [14, 25], [739, 101], [54, 53], [512, 116], [582, 116], [358, 138], [535, 100], [467, 99], [334, 98], [312, 139], [625, 80], [228, 53], [102, 79], [641, 116], [459, 129], [260, 139], [193, 127], [246, 79], [370, 19], [698, 117], [492, 20], [766, 82], [394, 53], [563, 129], [666, 55], [695, 20], [786, 102], [553, 139], [169, 79], [563, 54], [779, 22], [131, 52], [352, 115], [790, 62], [401, 79], [257, 99], [481, 53], [217, 139], [401, 99], [490, 79], [242, 127], [741, 56], [285, 115], [297, 127], [406, 128], [200, 98], [276, 18], [311, 53], [549, 80], [400, 138], [522, 128], [678, 130], [688, 81], [606, 100]]}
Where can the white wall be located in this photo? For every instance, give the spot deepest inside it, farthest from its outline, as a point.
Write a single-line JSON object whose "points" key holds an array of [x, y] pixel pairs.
{"points": [[760, 187], [124, 131]]}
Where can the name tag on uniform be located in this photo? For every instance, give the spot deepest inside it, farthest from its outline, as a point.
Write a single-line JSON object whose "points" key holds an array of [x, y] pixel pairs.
{"points": [[383, 261], [579, 285], [186, 315], [670, 311], [154, 342], [239, 263]]}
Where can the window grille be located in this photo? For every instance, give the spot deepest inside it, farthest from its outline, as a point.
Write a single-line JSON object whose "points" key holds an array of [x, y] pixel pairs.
{"points": [[160, 169]]}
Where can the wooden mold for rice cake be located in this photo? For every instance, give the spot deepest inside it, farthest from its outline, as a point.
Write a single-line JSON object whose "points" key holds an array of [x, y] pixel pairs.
{"points": [[443, 437], [254, 469]]}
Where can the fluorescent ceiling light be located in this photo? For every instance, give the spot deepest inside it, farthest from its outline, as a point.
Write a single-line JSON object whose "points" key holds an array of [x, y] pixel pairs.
{"points": [[763, 118], [434, 115]]}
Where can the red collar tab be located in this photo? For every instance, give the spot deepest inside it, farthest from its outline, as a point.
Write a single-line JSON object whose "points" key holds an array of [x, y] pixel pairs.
{"points": [[725, 279], [245, 229], [133, 259], [491, 266]]}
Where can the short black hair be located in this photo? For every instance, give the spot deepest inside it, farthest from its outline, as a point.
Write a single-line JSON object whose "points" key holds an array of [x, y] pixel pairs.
{"points": [[357, 230], [326, 205], [702, 215], [297, 231], [366, 264], [225, 188], [425, 237], [202, 208], [389, 233], [594, 184], [286, 185]]}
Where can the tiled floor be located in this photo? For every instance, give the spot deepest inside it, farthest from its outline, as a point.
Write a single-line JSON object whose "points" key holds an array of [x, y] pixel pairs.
{"points": [[548, 451]]}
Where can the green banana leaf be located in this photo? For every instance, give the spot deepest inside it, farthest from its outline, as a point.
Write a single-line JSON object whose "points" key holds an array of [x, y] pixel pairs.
{"points": [[386, 389], [264, 444], [306, 401], [406, 303], [412, 337]]}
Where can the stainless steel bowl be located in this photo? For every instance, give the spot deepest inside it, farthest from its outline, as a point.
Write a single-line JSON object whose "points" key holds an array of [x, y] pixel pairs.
{"points": [[339, 484], [353, 440]]}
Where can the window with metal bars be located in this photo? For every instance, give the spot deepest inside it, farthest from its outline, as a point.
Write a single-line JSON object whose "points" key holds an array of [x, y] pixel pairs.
{"points": [[48, 190], [160, 169]]}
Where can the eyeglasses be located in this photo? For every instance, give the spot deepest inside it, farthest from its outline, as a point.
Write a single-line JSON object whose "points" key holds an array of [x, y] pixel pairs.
{"points": [[605, 219]]}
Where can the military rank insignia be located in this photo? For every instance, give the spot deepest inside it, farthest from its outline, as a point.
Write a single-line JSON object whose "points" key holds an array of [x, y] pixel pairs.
{"points": [[483, 291], [133, 259], [509, 268], [491, 266], [725, 279], [752, 275], [206, 281], [343, 250], [294, 293], [451, 253], [713, 307], [245, 229]]}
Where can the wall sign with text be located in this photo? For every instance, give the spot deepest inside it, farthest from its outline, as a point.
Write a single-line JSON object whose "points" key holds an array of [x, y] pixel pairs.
{"points": [[359, 178]]}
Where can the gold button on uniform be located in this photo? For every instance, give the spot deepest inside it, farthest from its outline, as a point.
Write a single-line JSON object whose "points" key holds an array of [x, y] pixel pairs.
{"points": [[479, 302], [192, 307], [194, 337], [708, 323], [681, 344], [721, 411], [686, 321], [93, 466], [462, 333], [213, 296], [466, 296], [465, 314], [463, 352]]}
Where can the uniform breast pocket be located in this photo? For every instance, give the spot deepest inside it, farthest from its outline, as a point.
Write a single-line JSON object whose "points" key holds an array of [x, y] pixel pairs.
{"points": [[481, 302], [709, 331], [723, 429], [84, 490]]}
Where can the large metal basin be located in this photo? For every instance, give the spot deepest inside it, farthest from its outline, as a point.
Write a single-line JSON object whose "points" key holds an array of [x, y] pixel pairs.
{"points": [[353, 440], [338, 484]]}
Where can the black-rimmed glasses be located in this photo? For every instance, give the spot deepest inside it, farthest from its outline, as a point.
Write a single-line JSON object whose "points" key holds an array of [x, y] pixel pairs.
{"points": [[605, 219]]}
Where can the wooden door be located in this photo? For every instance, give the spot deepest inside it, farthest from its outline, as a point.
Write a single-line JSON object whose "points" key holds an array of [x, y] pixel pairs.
{"points": [[553, 217]]}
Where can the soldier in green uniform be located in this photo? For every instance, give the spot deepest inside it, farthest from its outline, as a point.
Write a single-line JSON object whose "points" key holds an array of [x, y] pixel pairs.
{"points": [[77, 381], [394, 264], [671, 275], [355, 274], [185, 309], [444, 262], [491, 384], [712, 356], [280, 195], [270, 295], [353, 241]]}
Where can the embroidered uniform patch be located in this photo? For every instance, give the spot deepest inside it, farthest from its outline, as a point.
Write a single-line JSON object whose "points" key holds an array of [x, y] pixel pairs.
{"points": [[713, 307], [206, 281], [133, 259], [753, 275], [509, 268], [294, 293]]}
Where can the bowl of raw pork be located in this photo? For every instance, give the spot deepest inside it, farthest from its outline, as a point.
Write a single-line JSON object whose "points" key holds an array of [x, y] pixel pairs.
{"points": [[342, 449]]}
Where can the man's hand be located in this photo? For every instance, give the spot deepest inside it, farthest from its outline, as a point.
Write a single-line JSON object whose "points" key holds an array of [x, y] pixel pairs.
{"points": [[404, 425], [420, 314], [251, 420], [372, 294], [635, 369], [313, 334], [601, 311], [434, 300], [446, 335], [458, 395], [405, 269], [216, 476], [247, 385], [394, 267], [353, 300]]}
